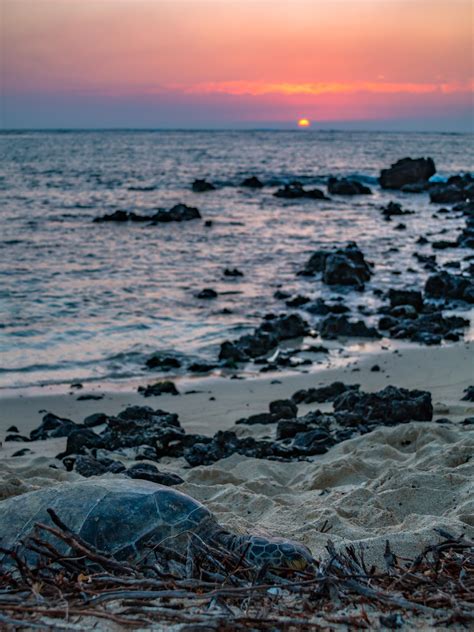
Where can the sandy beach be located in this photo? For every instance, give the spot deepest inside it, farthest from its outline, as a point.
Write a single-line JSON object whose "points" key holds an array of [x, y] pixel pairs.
{"points": [[397, 483]]}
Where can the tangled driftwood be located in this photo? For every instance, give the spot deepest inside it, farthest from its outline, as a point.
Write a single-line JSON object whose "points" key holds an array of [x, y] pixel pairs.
{"points": [[220, 592]]}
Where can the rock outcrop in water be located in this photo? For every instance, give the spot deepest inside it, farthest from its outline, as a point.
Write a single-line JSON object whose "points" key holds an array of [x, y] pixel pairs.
{"points": [[407, 171], [178, 213], [344, 266], [295, 190], [201, 186], [344, 186], [457, 189], [450, 287], [335, 326], [252, 183]]}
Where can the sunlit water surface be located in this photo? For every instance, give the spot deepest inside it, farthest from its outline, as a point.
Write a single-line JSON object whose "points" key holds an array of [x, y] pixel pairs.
{"points": [[90, 301]]}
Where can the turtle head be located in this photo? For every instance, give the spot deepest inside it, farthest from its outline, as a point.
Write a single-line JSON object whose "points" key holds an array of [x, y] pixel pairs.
{"points": [[278, 553]]}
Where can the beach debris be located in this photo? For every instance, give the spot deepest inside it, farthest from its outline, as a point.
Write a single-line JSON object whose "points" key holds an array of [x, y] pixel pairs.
{"points": [[202, 185], [219, 590], [346, 186], [407, 171]]}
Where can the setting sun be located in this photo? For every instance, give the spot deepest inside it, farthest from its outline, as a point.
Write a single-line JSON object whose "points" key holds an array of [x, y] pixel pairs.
{"points": [[304, 122]]}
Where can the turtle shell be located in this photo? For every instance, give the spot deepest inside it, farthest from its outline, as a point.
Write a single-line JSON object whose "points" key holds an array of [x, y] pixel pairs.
{"points": [[117, 515]]}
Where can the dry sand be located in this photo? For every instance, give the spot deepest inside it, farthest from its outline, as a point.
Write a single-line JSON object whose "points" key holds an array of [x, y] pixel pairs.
{"points": [[396, 482]]}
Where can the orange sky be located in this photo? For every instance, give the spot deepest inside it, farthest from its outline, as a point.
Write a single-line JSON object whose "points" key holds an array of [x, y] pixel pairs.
{"points": [[268, 60]]}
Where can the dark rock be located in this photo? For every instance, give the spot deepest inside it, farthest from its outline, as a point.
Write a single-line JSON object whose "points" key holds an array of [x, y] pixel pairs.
{"points": [[322, 394], [422, 240], [442, 244], [116, 216], [406, 297], [281, 295], [87, 466], [334, 326], [469, 394], [297, 301], [81, 440], [284, 408], [149, 472], [201, 367], [407, 171], [394, 209], [159, 388], [201, 186], [344, 186], [448, 194], [178, 213], [207, 293], [450, 286], [22, 452], [264, 339], [97, 419], [375, 368], [320, 308], [12, 429], [233, 272], [53, 427], [312, 442], [143, 426], [295, 190], [392, 405], [345, 266], [208, 223], [289, 428], [17, 437], [89, 397], [163, 362], [252, 183]]}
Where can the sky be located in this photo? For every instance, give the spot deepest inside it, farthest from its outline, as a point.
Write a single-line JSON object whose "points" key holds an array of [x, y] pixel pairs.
{"points": [[360, 64]]}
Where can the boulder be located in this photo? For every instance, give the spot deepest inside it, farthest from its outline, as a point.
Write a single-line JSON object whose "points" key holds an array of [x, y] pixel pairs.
{"points": [[335, 326], [344, 266], [163, 362], [406, 297], [252, 183], [201, 186], [157, 389], [407, 171], [264, 339], [450, 286], [295, 190], [344, 186], [390, 406]]}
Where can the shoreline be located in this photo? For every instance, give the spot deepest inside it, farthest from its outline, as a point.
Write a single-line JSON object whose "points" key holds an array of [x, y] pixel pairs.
{"points": [[444, 371]]}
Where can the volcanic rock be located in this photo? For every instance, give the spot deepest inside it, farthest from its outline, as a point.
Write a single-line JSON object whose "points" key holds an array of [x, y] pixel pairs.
{"points": [[407, 171]]}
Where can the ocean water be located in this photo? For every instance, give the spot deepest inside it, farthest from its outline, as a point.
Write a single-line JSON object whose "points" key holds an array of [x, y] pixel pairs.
{"points": [[85, 301]]}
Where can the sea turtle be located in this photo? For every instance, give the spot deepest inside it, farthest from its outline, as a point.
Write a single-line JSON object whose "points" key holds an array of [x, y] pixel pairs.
{"points": [[125, 517]]}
